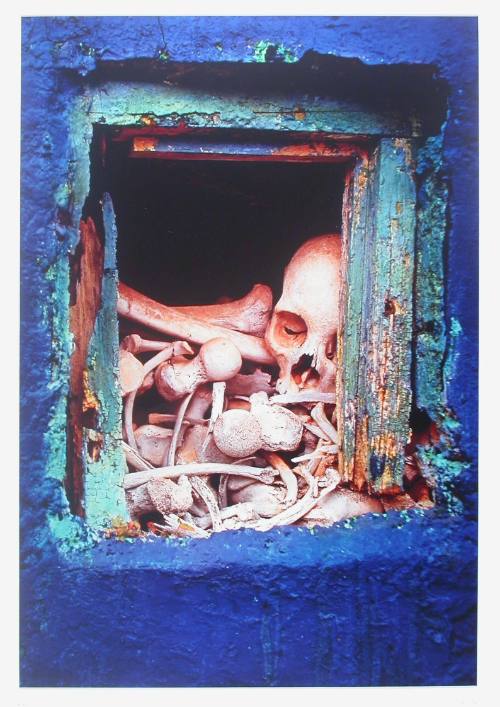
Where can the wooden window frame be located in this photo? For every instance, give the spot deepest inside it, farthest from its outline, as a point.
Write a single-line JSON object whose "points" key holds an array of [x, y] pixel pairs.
{"points": [[375, 336]]}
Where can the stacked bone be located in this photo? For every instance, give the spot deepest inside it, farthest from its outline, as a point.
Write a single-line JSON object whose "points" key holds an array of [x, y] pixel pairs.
{"points": [[230, 448]]}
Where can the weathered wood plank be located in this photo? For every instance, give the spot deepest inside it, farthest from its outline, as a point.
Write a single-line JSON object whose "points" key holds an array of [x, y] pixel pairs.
{"points": [[85, 299], [376, 336], [104, 459], [356, 237], [140, 103]]}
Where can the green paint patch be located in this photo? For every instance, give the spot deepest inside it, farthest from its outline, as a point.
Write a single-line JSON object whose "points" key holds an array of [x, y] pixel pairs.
{"points": [[71, 534], [441, 466], [267, 52]]}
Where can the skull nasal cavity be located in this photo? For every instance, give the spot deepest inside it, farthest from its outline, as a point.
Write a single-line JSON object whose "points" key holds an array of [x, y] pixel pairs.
{"points": [[304, 364], [291, 329]]}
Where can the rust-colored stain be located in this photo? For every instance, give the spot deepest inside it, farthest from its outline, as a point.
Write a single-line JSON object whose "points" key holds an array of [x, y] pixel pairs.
{"points": [[87, 267], [385, 445], [392, 308], [148, 120], [360, 467], [144, 144], [90, 400], [299, 113], [316, 150]]}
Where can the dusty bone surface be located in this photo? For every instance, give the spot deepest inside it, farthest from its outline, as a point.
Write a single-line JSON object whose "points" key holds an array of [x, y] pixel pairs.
{"points": [[340, 505], [281, 429], [250, 314], [163, 495], [217, 360]]}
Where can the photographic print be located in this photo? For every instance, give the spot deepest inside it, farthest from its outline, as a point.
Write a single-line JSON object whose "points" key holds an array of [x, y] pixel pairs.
{"points": [[249, 351]]}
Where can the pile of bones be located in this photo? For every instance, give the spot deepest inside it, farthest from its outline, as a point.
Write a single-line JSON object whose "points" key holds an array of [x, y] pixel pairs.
{"points": [[245, 435]]}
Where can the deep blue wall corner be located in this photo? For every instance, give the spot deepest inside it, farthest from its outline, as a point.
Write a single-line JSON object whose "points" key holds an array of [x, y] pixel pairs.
{"points": [[385, 600]]}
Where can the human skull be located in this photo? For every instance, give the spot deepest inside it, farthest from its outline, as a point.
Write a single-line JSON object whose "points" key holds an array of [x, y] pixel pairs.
{"points": [[302, 332]]}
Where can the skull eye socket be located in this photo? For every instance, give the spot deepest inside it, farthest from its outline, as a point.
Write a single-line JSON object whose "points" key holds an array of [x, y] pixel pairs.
{"points": [[290, 329]]}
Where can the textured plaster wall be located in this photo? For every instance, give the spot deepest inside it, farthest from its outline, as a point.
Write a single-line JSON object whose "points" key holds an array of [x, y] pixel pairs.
{"points": [[381, 601]]}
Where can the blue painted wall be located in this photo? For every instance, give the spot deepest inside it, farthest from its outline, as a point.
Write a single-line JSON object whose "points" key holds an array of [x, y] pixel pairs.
{"points": [[381, 601]]}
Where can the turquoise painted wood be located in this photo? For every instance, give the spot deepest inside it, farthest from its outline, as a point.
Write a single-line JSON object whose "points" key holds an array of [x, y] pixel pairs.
{"points": [[133, 103], [102, 453], [376, 333]]}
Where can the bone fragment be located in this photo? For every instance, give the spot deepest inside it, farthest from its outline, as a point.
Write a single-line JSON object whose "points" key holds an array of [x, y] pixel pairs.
{"points": [[183, 529], [298, 510], [153, 443], [242, 511], [237, 433], [287, 476], [169, 456], [148, 367], [266, 500], [147, 383], [160, 418], [167, 320], [330, 449], [131, 372], [281, 429], [194, 450], [342, 504], [128, 414], [320, 418], [218, 390], [200, 403], [239, 403], [207, 495], [250, 314], [222, 490], [315, 430], [161, 495], [247, 384], [304, 396], [134, 459], [266, 475], [218, 360], [135, 344], [303, 471]]}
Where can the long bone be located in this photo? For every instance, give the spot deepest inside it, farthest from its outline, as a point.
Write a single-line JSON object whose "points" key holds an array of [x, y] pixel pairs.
{"points": [[218, 360], [136, 478], [250, 314], [136, 344], [168, 320]]}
